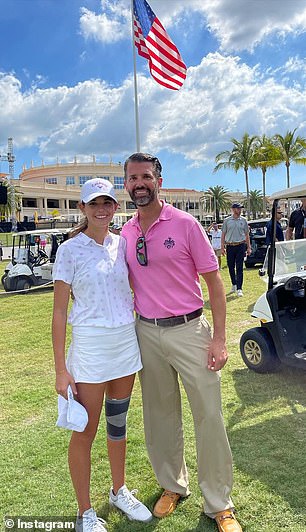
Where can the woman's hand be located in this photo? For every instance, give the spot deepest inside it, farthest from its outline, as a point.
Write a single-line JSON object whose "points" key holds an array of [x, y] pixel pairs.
{"points": [[62, 381]]}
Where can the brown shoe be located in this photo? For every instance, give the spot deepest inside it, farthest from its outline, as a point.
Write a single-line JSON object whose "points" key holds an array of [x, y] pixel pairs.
{"points": [[227, 522], [166, 504]]}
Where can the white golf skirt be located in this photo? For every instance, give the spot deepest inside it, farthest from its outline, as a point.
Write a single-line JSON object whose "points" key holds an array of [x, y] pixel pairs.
{"points": [[100, 354]]}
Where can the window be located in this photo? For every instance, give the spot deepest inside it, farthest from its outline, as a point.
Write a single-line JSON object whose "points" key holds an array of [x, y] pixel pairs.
{"points": [[70, 180], [29, 202], [130, 205], [103, 177], [119, 182], [51, 180], [52, 204], [73, 204], [83, 179]]}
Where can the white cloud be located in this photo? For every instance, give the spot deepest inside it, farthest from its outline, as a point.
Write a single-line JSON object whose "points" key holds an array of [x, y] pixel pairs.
{"points": [[112, 25], [241, 24], [222, 98], [237, 24]]}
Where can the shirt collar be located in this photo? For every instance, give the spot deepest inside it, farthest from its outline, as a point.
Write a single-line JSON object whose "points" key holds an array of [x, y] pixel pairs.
{"points": [[87, 240]]}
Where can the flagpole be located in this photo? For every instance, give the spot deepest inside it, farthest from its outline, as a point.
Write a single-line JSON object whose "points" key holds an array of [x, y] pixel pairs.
{"points": [[135, 82]]}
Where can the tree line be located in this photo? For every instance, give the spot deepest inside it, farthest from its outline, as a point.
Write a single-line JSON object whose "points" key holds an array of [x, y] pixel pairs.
{"points": [[258, 152]]}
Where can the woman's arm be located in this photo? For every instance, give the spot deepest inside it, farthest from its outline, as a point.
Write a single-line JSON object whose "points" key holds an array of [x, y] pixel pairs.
{"points": [[60, 308]]}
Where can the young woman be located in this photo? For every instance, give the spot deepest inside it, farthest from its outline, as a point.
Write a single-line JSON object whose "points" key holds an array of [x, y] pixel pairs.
{"points": [[103, 356]]}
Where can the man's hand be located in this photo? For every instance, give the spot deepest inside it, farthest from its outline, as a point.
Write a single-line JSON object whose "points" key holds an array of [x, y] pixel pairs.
{"points": [[223, 250], [217, 355], [249, 250]]}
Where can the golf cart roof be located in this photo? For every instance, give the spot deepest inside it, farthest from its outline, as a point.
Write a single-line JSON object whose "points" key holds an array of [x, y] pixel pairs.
{"points": [[258, 221], [293, 192], [43, 232]]}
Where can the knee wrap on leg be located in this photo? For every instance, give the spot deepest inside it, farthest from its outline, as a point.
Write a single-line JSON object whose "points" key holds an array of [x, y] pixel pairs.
{"points": [[116, 413]]}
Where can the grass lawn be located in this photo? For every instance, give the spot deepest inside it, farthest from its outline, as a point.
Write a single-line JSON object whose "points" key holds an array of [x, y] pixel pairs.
{"points": [[6, 239], [265, 417]]}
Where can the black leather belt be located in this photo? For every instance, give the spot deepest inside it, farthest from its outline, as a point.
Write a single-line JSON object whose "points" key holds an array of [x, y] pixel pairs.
{"points": [[235, 243], [172, 320]]}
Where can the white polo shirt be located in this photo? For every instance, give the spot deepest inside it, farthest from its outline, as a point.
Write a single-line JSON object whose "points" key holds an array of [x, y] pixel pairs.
{"points": [[216, 235], [98, 276]]}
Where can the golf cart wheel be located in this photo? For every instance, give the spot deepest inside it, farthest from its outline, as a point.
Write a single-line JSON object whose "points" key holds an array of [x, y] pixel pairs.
{"points": [[3, 277], [23, 284], [258, 351]]}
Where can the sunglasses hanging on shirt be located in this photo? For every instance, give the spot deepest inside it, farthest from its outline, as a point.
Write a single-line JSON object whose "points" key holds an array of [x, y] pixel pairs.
{"points": [[141, 251]]}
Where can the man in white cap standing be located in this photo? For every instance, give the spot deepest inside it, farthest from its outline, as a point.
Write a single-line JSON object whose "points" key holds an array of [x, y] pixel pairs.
{"points": [[235, 241]]}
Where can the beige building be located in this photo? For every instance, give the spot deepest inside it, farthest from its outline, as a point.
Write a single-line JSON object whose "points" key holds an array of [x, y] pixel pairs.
{"points": [[54, 190]]}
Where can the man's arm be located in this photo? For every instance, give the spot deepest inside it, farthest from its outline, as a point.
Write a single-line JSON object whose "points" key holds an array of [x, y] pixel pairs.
{"points": [[217, 354], [289, 233], [291, 226], [268, 234], [223, 240], [247, 239]]}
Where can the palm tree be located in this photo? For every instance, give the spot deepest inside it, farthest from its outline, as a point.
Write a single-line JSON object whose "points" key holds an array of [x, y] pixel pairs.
{"points": [[289, 149], [12, 194], [241, 156], [264, 154], [221, 199], [256, 202]]}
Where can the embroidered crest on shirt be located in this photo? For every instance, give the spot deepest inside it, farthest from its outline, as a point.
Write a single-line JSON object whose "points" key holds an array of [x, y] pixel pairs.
{"points": [[169, 243]]}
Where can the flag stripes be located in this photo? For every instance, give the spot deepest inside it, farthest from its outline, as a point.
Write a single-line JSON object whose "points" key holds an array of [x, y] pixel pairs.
{"points": [[165, 62]]}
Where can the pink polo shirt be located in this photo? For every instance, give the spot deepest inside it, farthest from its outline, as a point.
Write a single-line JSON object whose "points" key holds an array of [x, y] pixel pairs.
{"points": [[178, 249]]}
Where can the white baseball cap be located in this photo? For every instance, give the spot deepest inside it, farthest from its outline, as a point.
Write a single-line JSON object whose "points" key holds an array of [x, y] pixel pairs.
{"points": [[71, 414], [93, 188]]}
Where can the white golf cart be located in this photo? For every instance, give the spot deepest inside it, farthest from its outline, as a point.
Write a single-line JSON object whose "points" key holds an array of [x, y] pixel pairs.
{"points": [[32, 262], [281, 338]]}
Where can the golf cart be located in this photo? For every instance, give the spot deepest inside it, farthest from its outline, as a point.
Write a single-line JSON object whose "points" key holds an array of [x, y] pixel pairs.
{"points": [[32, 262], [281, 338], [258, 229]]}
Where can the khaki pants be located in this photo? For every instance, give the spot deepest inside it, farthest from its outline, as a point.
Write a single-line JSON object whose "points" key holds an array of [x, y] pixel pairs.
{"points": [[166, 353]]}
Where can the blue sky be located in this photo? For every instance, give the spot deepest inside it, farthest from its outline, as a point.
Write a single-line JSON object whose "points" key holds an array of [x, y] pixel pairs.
{"points": [[66, 84]]}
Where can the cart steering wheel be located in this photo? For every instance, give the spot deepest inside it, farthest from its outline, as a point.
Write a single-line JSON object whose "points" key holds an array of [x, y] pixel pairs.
{"points": [[42, 257], [295, 283]]}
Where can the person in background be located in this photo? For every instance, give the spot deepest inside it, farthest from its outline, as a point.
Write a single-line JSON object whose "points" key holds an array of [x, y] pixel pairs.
{"points": [[104, 354], [297, 222], [1, 250], [235, 241], [215, 233], [167, 251], [279, 234], [43, 242]]}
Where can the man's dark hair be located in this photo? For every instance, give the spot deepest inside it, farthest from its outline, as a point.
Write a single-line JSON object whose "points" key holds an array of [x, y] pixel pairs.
{"points": [[144, 157]]}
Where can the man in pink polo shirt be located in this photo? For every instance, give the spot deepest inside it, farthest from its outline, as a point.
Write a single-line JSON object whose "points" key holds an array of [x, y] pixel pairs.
{"points": [[167, 250]]}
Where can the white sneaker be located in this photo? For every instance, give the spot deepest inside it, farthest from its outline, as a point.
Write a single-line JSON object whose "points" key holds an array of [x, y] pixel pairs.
{"points": [[89, 522], [233, 289], [128, 504], [239, 293]]}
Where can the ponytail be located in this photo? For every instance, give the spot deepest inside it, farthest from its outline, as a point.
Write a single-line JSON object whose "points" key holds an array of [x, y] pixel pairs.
{"points": [[80, 228]]}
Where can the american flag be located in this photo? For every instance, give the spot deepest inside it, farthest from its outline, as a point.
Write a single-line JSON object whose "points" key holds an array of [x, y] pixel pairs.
{"points": [[152, 41]]}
